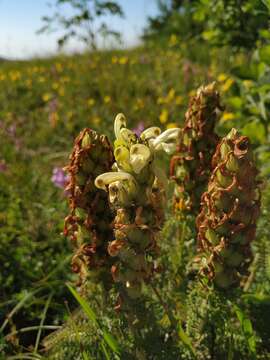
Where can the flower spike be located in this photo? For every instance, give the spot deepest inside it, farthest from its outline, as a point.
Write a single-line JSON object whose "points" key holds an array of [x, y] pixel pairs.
{"points": [[136, 192], [191, 165], [88, 224], [230, 207]]}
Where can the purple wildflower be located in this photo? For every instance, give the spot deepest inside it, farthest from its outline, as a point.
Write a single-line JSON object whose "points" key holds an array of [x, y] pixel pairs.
{"points": [[59, 178], [139, 128]]}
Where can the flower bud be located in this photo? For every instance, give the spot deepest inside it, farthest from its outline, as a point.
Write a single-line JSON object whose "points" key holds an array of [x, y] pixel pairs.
{"points": [[86, 141]]}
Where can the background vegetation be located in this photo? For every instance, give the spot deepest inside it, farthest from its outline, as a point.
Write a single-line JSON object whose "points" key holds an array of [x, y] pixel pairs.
{"points": [[45, 103]]}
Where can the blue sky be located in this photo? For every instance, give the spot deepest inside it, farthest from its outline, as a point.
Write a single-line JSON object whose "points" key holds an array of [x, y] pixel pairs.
{"points": [[20, 19]]}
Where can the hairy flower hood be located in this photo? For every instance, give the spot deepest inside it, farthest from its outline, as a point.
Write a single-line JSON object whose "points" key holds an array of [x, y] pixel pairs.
{"points": [[135, 160], [134, 154]]}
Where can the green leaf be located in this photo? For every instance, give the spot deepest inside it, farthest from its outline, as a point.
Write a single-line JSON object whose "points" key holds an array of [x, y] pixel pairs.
{"points": [[246, 71], [247, 329], [264, 54], [111, 342], [105, 352], [107, 337], [266, 3], [84, 304], [255, 130], [236, 102]]}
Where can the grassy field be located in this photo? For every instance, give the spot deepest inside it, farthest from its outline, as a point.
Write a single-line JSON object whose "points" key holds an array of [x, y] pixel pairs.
{"points": [[44, 104]]}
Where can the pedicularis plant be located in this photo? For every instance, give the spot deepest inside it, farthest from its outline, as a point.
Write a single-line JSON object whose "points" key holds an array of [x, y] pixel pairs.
{"points": [[230, 208], [88, 224], [117, 197], [191, 165]]}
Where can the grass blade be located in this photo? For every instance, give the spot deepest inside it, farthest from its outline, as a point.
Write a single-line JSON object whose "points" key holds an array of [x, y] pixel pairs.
{"points": [[108, 338], [20, 304], [84, 304], [43, 317]]}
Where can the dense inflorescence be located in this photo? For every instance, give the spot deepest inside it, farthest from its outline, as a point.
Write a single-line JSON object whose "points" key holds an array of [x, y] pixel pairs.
{"points": [[191, 165], [89, 222], [136, 190], [230, 207]]}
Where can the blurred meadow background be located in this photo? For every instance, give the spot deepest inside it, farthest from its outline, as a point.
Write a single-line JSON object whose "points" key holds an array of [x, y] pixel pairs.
{"points": [[73, 64]]}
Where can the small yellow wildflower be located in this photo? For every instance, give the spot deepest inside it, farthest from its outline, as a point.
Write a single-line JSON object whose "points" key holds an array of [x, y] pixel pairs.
{"points": [[227, 116], [91, 102], [228, 83], [163, 117], [222, 77], [173, 40], [59, 67], [171, 95], [160, 100], [107, 99], [140, 103], [171, 126], [46, 97], [55, 86], [14, 75], [123, 60]]}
